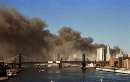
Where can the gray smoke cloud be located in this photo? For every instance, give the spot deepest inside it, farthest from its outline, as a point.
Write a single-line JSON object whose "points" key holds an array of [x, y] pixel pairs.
{"points": [[19, 34]]}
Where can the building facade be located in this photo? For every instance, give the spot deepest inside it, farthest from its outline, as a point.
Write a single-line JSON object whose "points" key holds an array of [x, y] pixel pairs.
{"points": [[108, 55], [100, 54]]}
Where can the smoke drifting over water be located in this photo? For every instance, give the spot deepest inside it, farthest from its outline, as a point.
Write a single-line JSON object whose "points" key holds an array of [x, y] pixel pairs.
{"points": [[19, 34]]}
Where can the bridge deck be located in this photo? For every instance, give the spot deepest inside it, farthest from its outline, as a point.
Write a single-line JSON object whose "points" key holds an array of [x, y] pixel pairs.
{"points": [[72, 62]]}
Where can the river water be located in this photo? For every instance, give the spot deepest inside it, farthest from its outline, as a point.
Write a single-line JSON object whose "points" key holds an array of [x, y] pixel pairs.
{"points": [[55, 75]]}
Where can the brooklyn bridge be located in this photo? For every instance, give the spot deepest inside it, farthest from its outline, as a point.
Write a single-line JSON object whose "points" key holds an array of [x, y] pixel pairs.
{"points": [[25, 60]]}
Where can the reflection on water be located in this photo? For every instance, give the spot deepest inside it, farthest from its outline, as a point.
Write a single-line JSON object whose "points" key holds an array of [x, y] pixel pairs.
{"points": [[71, 75]]}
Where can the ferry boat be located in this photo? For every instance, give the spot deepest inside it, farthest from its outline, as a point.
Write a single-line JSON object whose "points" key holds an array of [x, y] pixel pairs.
{"points": [[11, 72]]}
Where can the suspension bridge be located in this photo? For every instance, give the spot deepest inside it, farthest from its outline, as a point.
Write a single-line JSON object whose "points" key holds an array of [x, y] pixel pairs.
{"points": [[22, 60]]}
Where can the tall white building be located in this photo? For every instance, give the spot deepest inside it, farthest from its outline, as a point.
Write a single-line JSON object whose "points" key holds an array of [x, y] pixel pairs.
{"points": [[108, 55], [100, 54]]}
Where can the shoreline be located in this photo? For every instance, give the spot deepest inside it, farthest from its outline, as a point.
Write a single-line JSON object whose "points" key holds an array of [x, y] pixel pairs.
{"points": [[122, 70]]}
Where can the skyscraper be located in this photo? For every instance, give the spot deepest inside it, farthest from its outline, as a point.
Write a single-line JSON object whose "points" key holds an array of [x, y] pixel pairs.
{"points": [[100, 54], [108, 55]]}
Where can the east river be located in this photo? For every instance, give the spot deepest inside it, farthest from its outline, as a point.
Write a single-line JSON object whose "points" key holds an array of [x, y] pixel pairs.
{"points": [[55, 75]]}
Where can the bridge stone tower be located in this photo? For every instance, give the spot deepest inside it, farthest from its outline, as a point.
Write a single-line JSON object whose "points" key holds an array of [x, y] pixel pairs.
{"points": [[60, 64], [20, 60], [83, 62]]}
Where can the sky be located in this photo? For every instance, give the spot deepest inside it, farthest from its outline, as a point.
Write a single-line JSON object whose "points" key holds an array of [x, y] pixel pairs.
{"points": [[106, 21]]}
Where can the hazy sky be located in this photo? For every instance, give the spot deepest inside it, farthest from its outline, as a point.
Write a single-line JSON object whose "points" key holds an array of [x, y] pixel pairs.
{"points": [[107, 21]]}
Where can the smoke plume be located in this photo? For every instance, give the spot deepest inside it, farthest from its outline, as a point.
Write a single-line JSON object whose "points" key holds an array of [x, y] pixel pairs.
{"points": [[21, 35]]}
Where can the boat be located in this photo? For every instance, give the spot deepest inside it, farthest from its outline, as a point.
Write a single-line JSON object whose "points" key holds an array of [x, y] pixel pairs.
{"points": [[11, 72]]}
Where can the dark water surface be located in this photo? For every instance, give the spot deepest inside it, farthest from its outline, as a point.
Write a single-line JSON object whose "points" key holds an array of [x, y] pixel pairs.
{"points": [[55, 75]]}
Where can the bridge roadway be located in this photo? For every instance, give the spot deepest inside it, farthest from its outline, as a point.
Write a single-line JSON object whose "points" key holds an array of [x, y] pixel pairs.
{"points": [[71, 62]]}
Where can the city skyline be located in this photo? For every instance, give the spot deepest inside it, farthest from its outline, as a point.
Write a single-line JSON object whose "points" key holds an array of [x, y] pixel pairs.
{"points": [[106, 21]]}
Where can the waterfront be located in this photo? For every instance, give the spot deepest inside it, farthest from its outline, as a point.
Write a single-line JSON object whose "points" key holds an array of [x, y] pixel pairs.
{"points": [[70, 75]]}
